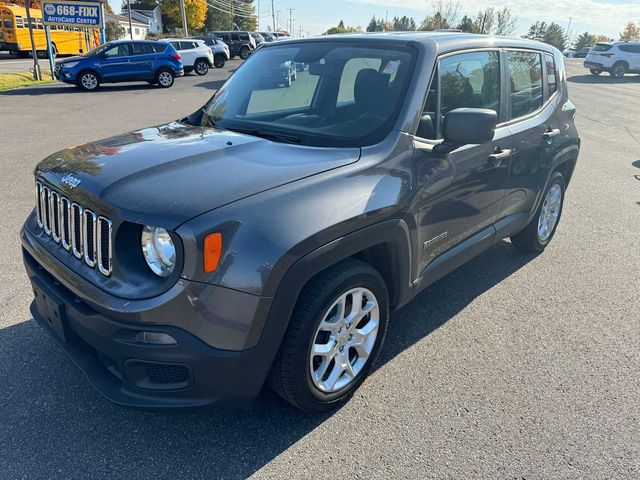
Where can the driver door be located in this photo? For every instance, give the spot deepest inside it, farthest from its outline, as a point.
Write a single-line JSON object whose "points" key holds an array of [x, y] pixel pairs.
{"points": [[116, 63], [460, 193]]}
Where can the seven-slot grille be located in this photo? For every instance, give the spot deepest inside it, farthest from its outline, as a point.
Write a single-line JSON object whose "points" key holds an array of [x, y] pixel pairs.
{"points": [[79, 230]]}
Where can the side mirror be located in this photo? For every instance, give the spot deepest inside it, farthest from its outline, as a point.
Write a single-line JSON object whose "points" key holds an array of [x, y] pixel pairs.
{"points": [[467, 126]]}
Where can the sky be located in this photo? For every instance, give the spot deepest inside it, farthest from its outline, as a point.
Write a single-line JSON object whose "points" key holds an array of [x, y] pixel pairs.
{"points": [[607, 17]]}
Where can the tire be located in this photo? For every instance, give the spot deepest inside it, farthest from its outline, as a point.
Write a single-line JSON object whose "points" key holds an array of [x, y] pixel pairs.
{"points": [[244, 53], [294, 374], [88, 81], [531, 238], [22, 54], [42, 54], [201, 67], [164, 78], [595, 71], [219, 61], [618, 70]]}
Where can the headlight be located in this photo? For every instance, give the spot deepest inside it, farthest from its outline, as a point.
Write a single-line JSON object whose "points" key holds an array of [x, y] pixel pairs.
{"points": [[69, 64], [158, 250]]}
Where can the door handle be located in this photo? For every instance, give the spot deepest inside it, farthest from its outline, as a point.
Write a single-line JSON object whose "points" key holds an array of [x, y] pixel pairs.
{"points": [[551, 132], [497, 157]]}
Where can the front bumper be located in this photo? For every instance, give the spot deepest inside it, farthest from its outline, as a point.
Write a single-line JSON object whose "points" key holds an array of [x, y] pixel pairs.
{"points": [[190, 374]]}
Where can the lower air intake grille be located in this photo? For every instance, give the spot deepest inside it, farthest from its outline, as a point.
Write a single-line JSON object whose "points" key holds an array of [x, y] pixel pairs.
{"points": [[164, 373]]}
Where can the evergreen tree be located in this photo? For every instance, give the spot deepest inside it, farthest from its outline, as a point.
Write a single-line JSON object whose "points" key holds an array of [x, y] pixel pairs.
{"points": [[555, 36], [584, 40], [467, 24]]}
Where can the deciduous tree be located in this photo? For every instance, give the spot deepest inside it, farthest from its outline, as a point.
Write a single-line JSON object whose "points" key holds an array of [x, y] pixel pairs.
{"points": [[631, 32], [196, 11]]}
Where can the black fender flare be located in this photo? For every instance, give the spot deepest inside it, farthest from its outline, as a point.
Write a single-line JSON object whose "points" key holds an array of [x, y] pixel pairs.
{"points": [[568, 154], [394, 232]]}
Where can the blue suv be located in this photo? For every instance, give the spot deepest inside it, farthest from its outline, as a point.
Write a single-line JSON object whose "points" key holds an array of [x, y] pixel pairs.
{"points": [[122, 61]]}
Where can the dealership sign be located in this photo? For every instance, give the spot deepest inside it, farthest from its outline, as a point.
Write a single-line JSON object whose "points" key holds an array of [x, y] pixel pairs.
{"points": [[72, 14]]}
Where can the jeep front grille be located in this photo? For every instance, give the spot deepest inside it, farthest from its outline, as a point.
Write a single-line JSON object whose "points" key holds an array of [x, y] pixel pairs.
{"points": [[78, 230]]}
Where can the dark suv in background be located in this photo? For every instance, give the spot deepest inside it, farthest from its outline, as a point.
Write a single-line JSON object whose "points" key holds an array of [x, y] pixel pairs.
{"points": [[267, 236], [241, 44]]}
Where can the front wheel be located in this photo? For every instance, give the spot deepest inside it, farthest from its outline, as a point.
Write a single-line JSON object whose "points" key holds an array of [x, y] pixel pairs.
{"points": [[88, 81], [244, 53], [536, 236], [595, 71], [201, 67], [164, 78], [334, 336], [219, 61]]}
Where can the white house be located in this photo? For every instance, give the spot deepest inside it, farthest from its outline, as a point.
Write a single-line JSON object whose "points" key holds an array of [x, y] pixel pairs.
{"points": [[140, 29], [152, 18]]}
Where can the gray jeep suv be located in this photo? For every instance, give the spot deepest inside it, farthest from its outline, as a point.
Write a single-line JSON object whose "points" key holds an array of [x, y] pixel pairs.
{"points": [[267, 236]]}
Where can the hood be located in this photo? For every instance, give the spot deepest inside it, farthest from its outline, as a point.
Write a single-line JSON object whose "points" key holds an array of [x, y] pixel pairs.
{"points": [[169, 174], [75, 58]]}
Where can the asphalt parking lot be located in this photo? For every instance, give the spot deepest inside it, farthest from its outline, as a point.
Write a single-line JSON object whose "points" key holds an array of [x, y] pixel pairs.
{"points": [[514, 366]]}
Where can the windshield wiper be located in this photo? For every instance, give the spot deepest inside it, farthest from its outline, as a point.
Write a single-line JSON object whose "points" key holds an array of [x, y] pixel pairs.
{"points": [[276, 137]]}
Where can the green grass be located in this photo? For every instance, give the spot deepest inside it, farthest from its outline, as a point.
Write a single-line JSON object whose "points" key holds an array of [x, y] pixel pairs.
{"points": [[9, 81]]}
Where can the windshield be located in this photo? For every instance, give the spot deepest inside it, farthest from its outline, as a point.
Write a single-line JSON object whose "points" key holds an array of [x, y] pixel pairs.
{"points": [[97, 50], [316, 93]]}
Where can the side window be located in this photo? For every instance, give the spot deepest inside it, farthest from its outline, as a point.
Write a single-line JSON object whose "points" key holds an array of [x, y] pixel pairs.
{"points": [[525, 73], [8, 23], [552, 76], [121, 50], [346, 92], [466, 80], [142, 49], [159, 47], [235, 37], [18, 22]]}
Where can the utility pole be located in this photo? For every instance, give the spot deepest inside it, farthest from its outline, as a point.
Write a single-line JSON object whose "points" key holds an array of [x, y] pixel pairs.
{"points": [[233, 25], [273, 16], [36, 67], [129, 13], [300, 32], [290, 21], [184, 17]]}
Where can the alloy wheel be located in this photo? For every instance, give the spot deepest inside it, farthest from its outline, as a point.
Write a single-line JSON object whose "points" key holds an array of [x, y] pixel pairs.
{"points": [[550, 212], [165, 79], [89, 81], [344, 340]]}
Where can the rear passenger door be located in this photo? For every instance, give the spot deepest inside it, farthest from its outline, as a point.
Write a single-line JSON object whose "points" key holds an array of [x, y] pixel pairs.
{"points": [[460, 193], [531, 110], [142, 61]]}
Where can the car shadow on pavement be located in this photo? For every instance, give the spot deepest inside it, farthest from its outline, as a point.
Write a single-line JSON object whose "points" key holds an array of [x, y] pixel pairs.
{"points": [[53, 424], [603, 79], [59, 88], [213, 85]]}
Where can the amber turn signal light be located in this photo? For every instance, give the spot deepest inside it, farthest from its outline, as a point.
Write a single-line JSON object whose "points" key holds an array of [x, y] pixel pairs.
{"points": [[212, 251]]}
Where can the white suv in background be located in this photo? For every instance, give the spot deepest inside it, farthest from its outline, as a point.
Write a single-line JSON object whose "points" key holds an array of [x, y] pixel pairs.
{"points": [[196, 56], [617, 58]]}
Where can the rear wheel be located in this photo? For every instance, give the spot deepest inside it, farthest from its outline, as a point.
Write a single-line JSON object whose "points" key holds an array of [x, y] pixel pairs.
{"points": [[595, 71], [618, 70], [88, 81], [219, 61], [536, 236], [244, 53], [334, 337], [164, 78], [201, 67]]}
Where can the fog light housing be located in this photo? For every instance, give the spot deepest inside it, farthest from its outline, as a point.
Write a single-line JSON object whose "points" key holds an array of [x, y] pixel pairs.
{"points": [[155, 338]]}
